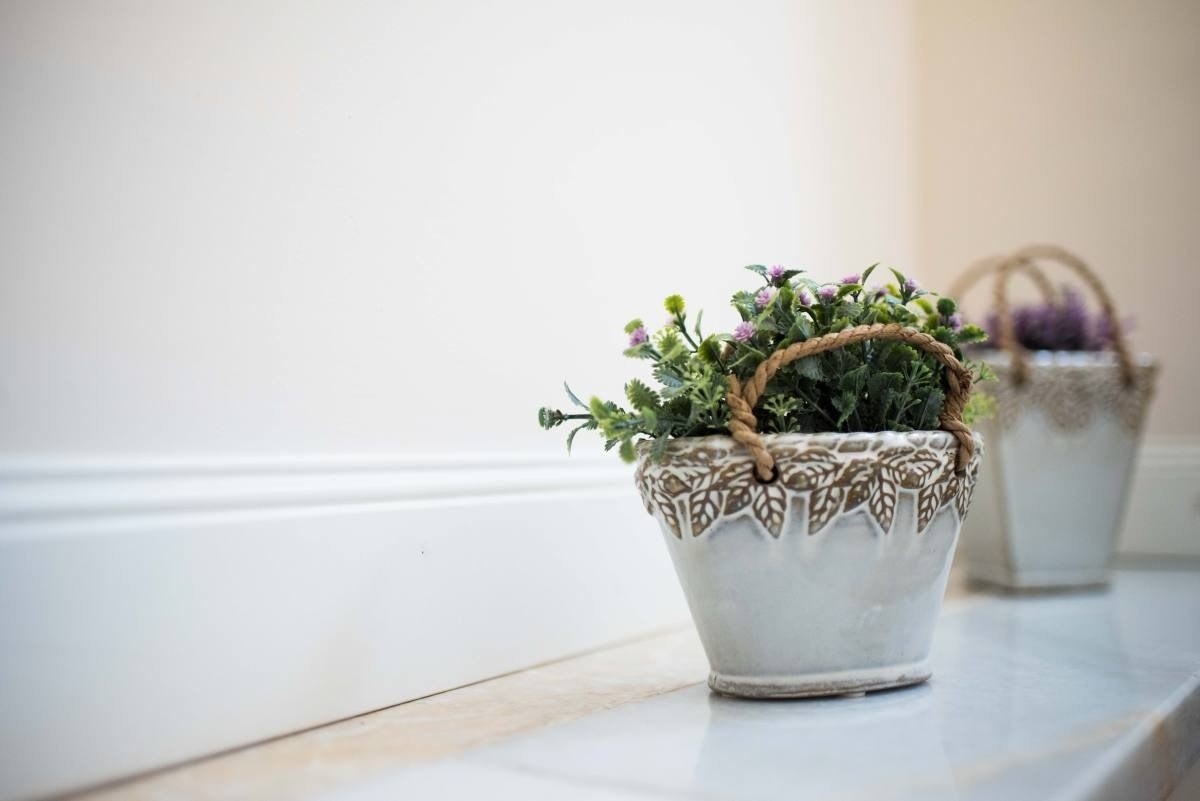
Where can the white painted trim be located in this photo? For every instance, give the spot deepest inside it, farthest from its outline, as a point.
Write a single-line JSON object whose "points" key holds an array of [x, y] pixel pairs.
{"points": [[152, 612], [85, 494], [1163, 517]]}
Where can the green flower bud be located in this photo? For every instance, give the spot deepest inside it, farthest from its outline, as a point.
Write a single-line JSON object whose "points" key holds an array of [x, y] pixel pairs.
{"points": [[946, 306], [674, 304], [710, 350], [633, 325]]}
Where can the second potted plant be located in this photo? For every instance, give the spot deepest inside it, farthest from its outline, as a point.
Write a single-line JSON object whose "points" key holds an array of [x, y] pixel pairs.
{"points": [[809, 471], [1070, 398]]}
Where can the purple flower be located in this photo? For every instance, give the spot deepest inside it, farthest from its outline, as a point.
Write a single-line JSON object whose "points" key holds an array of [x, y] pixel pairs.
{"points": [[776, 272], [638, 337], [852, 278], [879, 292], [954, 321], [910, 285], [827, 293], [743, 332], [804, 298], [763, 298], [1067, 325]]}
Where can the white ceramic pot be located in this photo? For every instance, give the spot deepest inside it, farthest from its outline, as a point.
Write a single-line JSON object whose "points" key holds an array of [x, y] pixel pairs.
{"points": [[1056, 476], [825, 581]]}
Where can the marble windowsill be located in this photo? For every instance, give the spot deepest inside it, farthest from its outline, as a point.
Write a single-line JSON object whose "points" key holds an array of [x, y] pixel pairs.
{"points": [[1091, 696]]}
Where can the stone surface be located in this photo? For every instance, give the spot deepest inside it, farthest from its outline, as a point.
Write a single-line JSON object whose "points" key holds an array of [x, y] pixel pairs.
{"points": [[1091, 696], [1064, 697]]}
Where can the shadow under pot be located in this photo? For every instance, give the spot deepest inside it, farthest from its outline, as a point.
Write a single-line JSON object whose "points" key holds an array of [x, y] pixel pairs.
{"points": [[828, 578], [1061, 451]]}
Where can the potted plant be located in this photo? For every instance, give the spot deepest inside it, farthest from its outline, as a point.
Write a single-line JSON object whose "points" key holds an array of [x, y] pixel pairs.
{"points": [[809, 472], [1070, 400]]}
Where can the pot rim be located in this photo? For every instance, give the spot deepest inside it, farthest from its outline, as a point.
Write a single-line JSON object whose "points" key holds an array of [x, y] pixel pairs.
{"points": [[1063, 358], [925, 438]]}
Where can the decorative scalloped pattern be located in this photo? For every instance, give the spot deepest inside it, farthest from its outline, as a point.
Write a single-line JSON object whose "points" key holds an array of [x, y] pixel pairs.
{"points": [[1072, 396], [703, 481]]}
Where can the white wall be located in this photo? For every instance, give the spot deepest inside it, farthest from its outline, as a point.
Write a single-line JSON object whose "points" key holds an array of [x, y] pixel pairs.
{"points": [[1073, 122], [264, 228], [273, 272]]}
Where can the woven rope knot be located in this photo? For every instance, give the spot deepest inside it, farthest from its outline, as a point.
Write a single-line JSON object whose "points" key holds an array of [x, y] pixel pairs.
{"points": [[743, 425]]}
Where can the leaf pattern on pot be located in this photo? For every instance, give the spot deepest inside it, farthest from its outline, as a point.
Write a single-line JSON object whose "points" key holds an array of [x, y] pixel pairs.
{"points": [[811, 475], [704, 507], [665, 505], [915, 470], [883, 501], [928, 502], [769, 505], [822, 476], [673, 484], [738, 498], [823, 504], [962, 499], [858, 477], [1071, 396]]}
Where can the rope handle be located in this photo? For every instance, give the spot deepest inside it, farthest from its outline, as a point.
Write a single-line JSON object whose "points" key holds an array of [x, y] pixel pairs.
{"points": [[981, 269], [743, 425], [1007, 333]]}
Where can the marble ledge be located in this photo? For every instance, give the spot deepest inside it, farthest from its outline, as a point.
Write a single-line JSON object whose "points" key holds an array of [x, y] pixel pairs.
{"points": [[1063, 697], [1068, 698]]}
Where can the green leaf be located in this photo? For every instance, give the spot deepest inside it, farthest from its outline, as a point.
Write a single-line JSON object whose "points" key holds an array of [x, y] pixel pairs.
{"points": [[668, 376], [658, 449], [628, 454], [671, 346], [641, 396], [649, 417], [845, 403], [574, 398], [757, 268], [571, 436], [710, 350], [809, 367], [743, 303], [802, 328]]}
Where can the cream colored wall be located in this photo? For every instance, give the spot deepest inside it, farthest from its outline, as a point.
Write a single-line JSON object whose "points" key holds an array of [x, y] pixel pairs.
{"points": [[253, 229], [1075, 122]]}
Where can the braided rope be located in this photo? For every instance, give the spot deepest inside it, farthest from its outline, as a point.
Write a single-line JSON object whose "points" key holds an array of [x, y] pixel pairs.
{"points": [[1008, 337], [743, 425], [981, 269]]}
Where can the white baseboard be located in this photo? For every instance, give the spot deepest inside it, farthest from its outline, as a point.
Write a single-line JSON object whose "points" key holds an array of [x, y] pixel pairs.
{"points": [[1163, 517], [153, 612]]}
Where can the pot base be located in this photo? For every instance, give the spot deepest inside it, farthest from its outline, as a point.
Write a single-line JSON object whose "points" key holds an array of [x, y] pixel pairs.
{"points": [[1033, 582], [816, 685]]}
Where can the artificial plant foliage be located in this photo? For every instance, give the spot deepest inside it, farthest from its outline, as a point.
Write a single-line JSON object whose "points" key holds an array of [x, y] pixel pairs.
{"points": [[876, 385], [1064, 324]]}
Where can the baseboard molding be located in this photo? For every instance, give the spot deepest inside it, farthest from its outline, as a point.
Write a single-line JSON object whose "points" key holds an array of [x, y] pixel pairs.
{"points": [[1163, 516], [152, 612]]}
